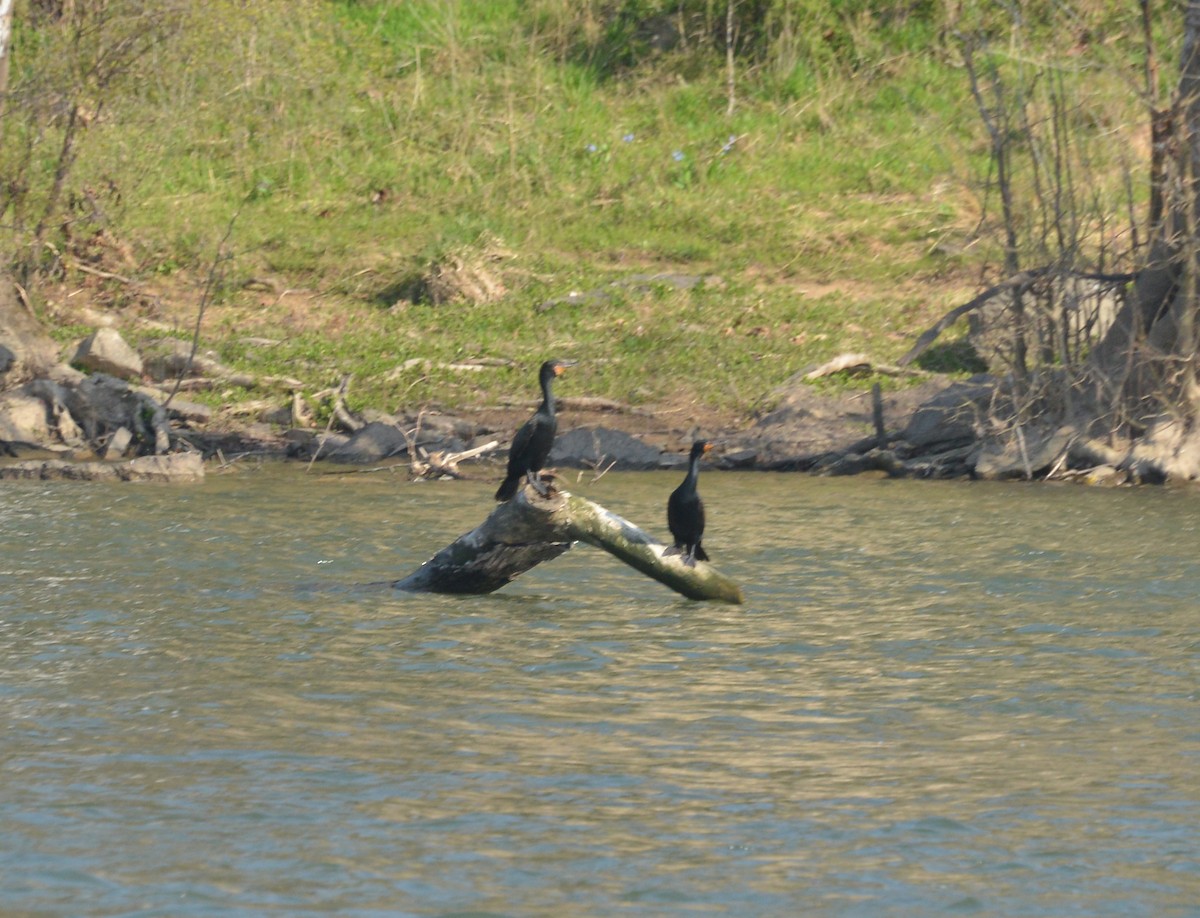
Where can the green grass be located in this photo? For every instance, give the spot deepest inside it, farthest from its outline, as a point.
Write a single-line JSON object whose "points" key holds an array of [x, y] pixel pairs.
{"points": [[356, 143]]}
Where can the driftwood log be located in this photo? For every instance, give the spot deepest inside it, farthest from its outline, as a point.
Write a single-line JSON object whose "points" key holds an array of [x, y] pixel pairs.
{"points": [[530, 529]]}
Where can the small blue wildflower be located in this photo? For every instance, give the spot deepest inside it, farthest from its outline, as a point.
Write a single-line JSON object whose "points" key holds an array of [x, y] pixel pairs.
{"points": [[591, 148], [677, 156], [628, 138], [729, 144]]}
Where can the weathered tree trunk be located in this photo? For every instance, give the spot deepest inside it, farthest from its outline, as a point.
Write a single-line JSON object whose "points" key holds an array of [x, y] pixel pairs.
{"points": [[517, 535], [1146, 361], [530, 529], [6, 12]]}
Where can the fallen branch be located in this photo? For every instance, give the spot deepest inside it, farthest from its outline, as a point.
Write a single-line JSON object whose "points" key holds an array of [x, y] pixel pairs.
{"points": [[529, 529], [440, 463], [340, 412], [106, 275], [857, 364]]}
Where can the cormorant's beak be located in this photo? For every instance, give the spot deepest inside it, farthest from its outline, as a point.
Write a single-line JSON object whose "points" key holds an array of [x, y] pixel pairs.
{"points": [[561, 366], [708, 447]]}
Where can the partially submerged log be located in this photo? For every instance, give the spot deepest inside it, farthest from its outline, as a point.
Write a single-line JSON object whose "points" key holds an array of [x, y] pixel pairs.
{"points": [[530, 529]]}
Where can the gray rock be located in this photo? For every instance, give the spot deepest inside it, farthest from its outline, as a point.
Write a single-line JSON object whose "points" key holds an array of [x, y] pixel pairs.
{"points": [[950, 417], [1032, 454], [180, 409], [59, 470], [279, 415], [101, 403], [118, 444], [105, 351], [168, 358], [1106, 476], [373, 443], [177, 467], [434, 428], [739, 459], [173, 467], [303, 444], [23, 418], [597, 447], [37, 414]]}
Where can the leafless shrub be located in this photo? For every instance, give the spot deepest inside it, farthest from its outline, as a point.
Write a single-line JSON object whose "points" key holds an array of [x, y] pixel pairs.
{"points": [[85, 48]]}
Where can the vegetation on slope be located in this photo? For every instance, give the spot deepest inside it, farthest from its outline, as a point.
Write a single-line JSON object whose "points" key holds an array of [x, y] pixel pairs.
{"points": [[390, 187]]}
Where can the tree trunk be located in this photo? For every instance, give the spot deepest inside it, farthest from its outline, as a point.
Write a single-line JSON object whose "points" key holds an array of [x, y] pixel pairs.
{"points": [[1143, 372], [530, 529], [6, 14]]}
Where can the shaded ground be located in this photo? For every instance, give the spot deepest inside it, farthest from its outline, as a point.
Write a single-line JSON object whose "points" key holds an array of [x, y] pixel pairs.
{"points": [[804, 426]]}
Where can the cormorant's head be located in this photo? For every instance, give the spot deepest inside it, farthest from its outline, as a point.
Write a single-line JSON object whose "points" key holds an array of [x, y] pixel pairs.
{"points": [[553, 368], [700, 447]]}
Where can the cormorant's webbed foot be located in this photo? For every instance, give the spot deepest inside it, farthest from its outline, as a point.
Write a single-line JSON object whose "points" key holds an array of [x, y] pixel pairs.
{"points": [[544, 487]]}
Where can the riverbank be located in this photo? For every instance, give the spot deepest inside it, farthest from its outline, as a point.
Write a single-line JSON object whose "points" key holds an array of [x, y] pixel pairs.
{"points": [[103, 399]]}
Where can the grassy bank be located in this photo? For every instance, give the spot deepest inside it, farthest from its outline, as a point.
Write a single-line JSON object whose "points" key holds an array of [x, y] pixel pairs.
{"points": [[401, 186]]}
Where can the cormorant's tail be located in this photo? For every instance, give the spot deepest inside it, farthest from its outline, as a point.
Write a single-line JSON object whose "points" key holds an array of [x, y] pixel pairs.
{"points": [[701, 554], [508, 487]]}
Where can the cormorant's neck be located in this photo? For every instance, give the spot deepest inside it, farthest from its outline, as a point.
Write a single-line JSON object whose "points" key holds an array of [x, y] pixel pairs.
{"points": [[693, 471], [547, 395]]}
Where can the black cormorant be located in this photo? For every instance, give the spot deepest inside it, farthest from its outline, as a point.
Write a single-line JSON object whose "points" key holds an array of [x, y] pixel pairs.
{"points": [[685, 511], [533, 441]]}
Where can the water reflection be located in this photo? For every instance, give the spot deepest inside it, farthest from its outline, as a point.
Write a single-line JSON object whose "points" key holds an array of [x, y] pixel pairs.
{"points": [[938, 698]]}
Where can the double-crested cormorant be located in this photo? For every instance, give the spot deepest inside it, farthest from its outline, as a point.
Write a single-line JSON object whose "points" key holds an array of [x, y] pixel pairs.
{"points": [[533, 441], [685, 511]]}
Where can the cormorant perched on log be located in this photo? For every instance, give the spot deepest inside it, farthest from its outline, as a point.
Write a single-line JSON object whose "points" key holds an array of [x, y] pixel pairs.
{"points": [[685, 511], [533, 441]]}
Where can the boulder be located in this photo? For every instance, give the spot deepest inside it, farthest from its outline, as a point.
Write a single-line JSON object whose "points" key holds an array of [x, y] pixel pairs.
{"points": [[105, 351], [949, 418], [171, 468], [373, 443], [597, 447], [434, 429], [23, 418], [177, 467], [62, 422], [1031, 454], [1106, 476], [101, 404], [118, 444], [179, 409], [169, 358]]}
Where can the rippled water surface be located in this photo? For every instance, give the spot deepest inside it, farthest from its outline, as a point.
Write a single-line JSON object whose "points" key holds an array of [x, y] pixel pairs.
{"points": [[938, 699]]}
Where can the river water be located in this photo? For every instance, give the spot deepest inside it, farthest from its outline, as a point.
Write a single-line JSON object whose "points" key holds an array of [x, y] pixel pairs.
{"points": [[939, 698]]}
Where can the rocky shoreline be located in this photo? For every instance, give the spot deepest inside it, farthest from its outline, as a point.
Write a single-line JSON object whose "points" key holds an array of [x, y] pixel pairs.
{"points": [[109, 413]]}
